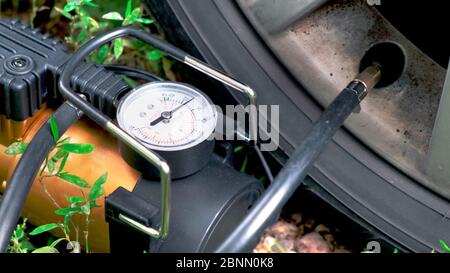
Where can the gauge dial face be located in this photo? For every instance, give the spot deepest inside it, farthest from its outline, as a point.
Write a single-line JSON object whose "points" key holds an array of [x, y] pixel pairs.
{"points": [[167, 116]]}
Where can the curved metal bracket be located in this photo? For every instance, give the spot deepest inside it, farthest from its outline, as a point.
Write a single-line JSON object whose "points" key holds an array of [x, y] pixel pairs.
{"points": [[233, 83], [104, 121]]}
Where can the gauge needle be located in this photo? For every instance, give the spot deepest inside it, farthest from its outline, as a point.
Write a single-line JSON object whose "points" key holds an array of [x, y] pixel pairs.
{"points": [[168, 114]]}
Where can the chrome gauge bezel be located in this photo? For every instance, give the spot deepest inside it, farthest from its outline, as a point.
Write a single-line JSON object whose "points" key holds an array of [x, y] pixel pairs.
{"points": [[176, 87]]}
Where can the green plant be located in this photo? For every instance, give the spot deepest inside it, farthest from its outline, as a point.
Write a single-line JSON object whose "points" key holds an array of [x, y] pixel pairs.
{"points": [[131, 16], [54, 166], [84, 25], [444, 246], [19, 241], [81, 20], [247, 158]]}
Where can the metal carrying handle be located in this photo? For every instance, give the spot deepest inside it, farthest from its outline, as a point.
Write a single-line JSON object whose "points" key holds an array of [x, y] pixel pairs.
{"points": [[233, 83], [105, 122]]}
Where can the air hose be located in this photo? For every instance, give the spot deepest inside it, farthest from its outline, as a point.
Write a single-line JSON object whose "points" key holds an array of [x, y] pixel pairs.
{"points": [[269, 206], [133, 72], [26, 170]]}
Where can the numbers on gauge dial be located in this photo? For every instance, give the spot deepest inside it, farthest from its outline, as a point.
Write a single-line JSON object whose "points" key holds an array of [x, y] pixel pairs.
{"points": [[170, 118]]}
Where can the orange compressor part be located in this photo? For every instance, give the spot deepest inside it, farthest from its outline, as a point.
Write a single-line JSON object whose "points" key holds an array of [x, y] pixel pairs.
{"points": [[40, 208]]}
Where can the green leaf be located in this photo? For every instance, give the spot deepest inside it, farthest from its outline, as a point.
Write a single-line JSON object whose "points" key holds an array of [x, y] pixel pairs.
{"points": [[94, 25], [82, 36], [134, 15], [26, 244], [263, 180], [102, 53], [71, 6], [46, 249], [85, 22], [118, 48], [59, 154], [444, 246], [74, 179], [67, 219], [93, 206], [138, 44], [239, 148], [63, 13], [51, 166], [64, 140], [55, 243], [244, 164], [132, 83], [89, 3], [82, 13], [67, 211], [50, 240], [43, 228], [19, 233], [54, 128], [113, 15], [129, 7], [154, 55], [102, 25], [145, 21], [81, 24], [97, 190], [75, 199], [57, 157], [63, 163], [77, 148], [16, 148], [85, 209]]}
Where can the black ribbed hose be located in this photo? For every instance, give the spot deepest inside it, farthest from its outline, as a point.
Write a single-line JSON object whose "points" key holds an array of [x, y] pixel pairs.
{"points": [[26, 170]]}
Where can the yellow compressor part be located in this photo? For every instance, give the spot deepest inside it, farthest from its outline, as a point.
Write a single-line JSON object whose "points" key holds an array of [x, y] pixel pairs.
{"points": [[40, 207]]}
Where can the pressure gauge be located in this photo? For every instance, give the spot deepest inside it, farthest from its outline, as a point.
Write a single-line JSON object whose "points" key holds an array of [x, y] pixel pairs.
{"points": [[173, 119]]}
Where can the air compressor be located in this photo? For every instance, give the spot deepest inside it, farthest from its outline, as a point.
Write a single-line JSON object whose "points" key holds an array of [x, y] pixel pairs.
{"points": [[171, 188], [202, 194]]}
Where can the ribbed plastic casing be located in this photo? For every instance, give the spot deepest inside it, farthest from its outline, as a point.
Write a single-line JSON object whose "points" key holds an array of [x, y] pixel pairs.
{"points": [[30, 65]]}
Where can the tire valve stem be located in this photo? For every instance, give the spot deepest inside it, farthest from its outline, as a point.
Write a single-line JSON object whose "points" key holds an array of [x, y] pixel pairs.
{"points": [[366, 80]]}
